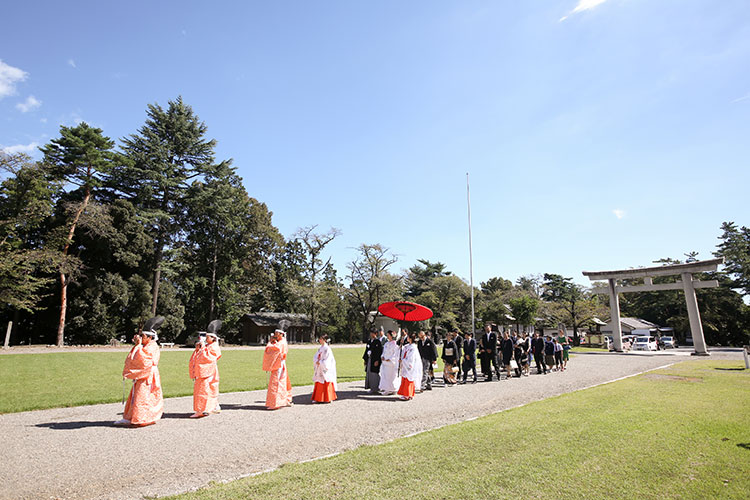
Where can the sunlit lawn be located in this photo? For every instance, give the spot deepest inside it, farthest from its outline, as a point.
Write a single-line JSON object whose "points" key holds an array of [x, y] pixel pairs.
{"points": [[681, 432], [50, 380]]}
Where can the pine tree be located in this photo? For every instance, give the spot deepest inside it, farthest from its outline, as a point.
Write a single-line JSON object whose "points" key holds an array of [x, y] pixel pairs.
{"points": [[81, 157], [167, 154]]}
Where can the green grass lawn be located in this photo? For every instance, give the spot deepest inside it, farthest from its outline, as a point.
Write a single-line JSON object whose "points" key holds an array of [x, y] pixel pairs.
{"points": [[36, 381], [681, 432], [574, 350]]}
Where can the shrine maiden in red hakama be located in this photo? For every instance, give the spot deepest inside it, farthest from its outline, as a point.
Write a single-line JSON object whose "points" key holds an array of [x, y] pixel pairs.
{"points": [[204, 370], [324, 375], [411, 369]]}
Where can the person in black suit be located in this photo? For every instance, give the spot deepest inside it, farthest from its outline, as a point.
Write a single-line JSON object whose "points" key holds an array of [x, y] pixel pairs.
{"points": [[488, 346], [469, 356], [537, 348], [428, 353], [372, 355]]}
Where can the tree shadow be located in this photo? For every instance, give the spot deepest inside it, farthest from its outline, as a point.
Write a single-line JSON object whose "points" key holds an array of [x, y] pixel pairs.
{"points": [[744, 445], [67, 426]]}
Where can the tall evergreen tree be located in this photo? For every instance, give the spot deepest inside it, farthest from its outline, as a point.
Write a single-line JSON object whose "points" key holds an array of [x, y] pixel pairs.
{"points": [[735, 248], [229, 245], [80, 157], [167, 154]]}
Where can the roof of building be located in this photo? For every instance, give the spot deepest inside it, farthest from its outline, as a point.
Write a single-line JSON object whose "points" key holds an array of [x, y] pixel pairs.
{"points": [[272, 319], [633, 324]]}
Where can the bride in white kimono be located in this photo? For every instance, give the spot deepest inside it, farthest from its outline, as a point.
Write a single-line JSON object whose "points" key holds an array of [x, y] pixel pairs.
{"points": [[324, 374], [389, 366]]}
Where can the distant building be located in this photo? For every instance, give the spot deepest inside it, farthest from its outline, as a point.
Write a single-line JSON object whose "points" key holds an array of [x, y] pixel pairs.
{"points": [[629, 324], [256, 327]]}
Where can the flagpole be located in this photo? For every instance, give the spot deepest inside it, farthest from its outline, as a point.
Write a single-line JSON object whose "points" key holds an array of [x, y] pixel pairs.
{"points": [[471, 262]]}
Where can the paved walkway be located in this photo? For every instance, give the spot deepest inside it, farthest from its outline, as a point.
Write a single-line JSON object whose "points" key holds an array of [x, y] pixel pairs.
{"points": [[77, 453]]}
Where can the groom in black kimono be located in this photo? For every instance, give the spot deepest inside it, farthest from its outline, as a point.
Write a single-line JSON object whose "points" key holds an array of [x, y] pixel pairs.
{"points": [[372, 355]]}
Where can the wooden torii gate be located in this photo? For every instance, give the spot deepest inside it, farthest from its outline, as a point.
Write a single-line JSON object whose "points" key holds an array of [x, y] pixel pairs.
{"points": [[687, 284]]}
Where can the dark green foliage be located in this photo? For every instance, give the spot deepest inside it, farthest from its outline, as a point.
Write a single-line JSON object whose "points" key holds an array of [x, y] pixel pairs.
{"points": [[524, 309], [724, 315], [735, 248], [26, 202], [228, 248], [166, 155]]}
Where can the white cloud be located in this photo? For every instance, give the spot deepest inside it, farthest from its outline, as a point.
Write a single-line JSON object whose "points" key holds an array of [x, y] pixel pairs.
{"points": [[29, 104], [9, 76], [43, 120], [72, 63], [583, 5], [20, 148], [743, 98], [619, 213]]}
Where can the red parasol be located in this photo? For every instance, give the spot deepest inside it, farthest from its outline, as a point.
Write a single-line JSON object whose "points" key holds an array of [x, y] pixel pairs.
{"points": [[405, 311]]}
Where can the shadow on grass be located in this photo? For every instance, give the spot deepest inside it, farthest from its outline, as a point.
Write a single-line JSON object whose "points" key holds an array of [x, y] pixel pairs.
{"points": [[67, 426], [744, 445], [730, 369]]}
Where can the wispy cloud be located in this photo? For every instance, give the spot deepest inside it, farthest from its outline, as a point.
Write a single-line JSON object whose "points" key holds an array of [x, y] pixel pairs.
{"points": [[743, 98], [43, 120], [582, 6], [72, 63], [9, 77], [619, 213], [29, 104], [20, 148]]}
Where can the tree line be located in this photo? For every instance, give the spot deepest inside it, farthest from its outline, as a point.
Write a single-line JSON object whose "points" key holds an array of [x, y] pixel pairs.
{"points": [[95, 237]]}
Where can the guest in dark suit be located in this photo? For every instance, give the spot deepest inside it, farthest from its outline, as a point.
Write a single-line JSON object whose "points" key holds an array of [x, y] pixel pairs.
{"points": [[372, 355], [537, 347], [428, 353], [488, 346], [469, 356]]}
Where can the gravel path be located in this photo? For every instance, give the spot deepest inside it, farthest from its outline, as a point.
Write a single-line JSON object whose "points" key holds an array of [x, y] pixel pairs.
{"points": [[77, 453]]}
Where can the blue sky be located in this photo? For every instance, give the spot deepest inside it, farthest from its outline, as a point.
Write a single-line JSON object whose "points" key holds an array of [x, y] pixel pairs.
{"points": [[598, 134]]}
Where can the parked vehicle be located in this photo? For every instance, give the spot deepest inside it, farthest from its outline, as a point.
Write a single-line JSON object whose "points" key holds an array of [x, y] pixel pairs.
{"points": [[645, 344], [668, 342]]}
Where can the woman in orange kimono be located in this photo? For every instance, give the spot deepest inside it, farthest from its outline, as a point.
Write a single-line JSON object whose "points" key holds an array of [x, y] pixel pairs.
{"points": [[274, 361], [145, 403], [205, 373]]}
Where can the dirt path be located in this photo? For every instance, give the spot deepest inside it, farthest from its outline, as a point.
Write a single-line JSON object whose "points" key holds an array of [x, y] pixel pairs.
{"points": [[77, 453]]}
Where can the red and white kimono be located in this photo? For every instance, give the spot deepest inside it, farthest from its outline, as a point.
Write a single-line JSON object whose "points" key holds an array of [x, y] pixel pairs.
{"points": [[324, 375], [411, 371], [279, 388], [145, 403], [204, 370]]}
